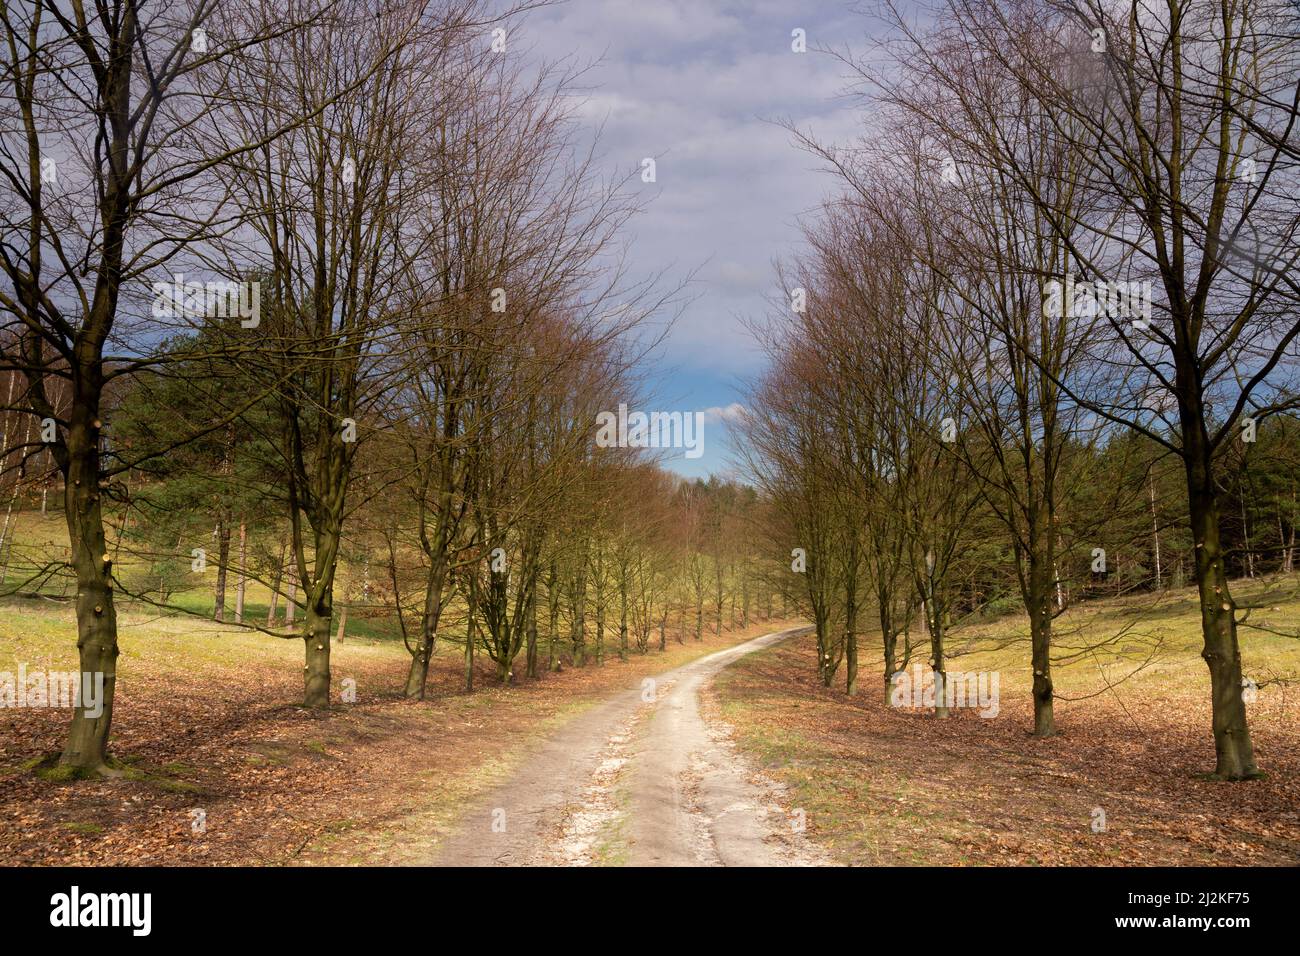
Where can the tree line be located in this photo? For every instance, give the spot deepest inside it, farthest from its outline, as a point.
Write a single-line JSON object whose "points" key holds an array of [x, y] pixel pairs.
{"points": [[326, 295], [1042, 345]]}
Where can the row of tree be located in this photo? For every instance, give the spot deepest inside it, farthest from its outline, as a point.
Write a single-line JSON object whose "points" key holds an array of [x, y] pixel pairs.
{"points": [[295, 290], [1044, 341]]}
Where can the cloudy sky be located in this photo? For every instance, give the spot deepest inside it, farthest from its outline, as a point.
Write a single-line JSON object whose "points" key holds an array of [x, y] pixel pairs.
{"points": [[696, 84]]}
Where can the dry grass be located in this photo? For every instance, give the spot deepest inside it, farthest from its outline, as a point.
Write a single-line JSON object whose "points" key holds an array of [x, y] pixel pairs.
{"points": [[882, 785], [207, 720]]}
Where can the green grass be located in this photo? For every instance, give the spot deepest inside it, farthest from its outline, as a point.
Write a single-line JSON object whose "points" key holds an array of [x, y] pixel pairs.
{"points": [[41, 634], [40, 631], [34, 537], [905, 789], [84, 829], [1161, 632]]}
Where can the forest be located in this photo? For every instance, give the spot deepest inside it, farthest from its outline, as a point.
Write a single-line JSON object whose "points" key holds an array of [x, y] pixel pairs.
{"points": [[320, 321]]}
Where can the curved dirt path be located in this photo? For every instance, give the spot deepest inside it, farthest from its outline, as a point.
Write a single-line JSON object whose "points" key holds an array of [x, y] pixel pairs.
{"points": [[641, 779]]}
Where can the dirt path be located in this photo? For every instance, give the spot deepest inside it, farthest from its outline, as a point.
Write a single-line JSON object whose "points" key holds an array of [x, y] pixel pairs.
{"points": [[641, 779]]}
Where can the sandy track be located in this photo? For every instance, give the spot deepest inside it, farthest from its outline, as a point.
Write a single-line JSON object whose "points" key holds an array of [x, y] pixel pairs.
{"points": [[642, 779]]}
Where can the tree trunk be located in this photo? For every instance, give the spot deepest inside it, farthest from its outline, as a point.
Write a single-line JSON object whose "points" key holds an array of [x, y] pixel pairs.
{"points": [[242, 586], [578, 628], [504, 671], [223, 561], [851, 621], [938, 663], [275, 586], [1290, 547], [553, 617], [531, 625], [318, 597], [1235, 756], [1245, 534], [1040, 636], [890, 640], [86, 749], [341, 633], [470, 632], [417, 677], [316, 637], [1038, 602], [600, 624], [1155, 534], [826, 664], [851, 662], [622, 618], [720, 597], [291, 601]]}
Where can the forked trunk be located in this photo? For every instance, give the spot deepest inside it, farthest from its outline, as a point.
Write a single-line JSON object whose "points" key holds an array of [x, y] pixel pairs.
{"points": [[417, 676]]}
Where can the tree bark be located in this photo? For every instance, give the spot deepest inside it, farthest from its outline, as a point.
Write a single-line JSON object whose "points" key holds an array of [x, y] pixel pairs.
{"points": [[531, 653], [319, 599], [275, 586], [1235, 755], [316, 638], [223, 561], [417, 677], [242, 586], [938, 664], [851, 621], [890, 641], [578, 632], [291, 600], [469, 632], [1038, 602], [622, 618], [87, 742], [553, 617]]}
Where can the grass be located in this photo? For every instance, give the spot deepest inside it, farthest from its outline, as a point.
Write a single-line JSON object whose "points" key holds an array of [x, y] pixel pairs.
{"points": [[884, 785], [35, 539], [84, 829], [207, 718]]}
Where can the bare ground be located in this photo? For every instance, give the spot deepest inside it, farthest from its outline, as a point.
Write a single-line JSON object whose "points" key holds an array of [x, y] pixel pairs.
{"points": [[378, 781], [643, 779], [1124, 783]]}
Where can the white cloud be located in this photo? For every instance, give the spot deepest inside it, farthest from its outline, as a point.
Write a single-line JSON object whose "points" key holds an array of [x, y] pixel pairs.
{"points": [[691, 84], [726, 413]]}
